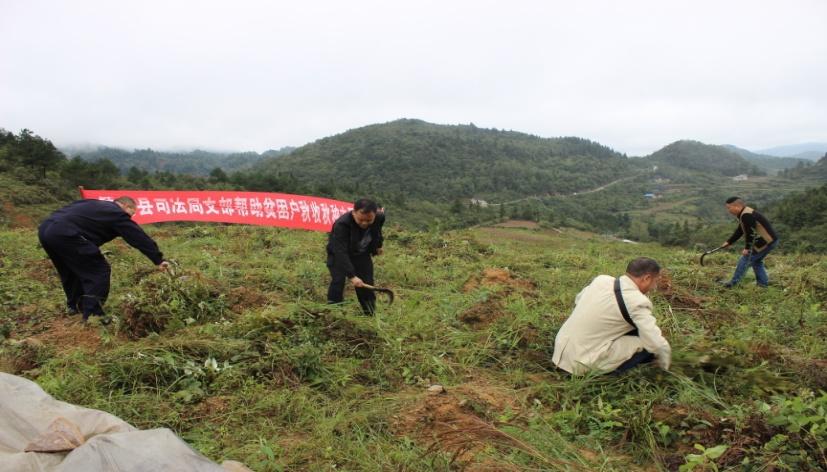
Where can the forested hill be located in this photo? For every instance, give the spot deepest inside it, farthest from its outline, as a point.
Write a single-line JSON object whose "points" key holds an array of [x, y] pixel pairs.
{"points": [[697, 156], [771, 164], [419, 160], [801, 218], [192, 163], [817, 171]]}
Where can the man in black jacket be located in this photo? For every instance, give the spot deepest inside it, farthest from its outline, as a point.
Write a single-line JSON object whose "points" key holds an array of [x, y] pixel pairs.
{"points": [[355, 237], [72, 236], [759, 240]]}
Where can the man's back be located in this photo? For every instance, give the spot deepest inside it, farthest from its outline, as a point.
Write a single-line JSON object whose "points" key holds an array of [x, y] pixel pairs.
{"points": [[99, 222], [94, 219], [596, 323]]}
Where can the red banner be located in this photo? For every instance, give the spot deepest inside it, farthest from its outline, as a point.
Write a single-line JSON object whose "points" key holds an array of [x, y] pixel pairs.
{"points": [[250, 208]]}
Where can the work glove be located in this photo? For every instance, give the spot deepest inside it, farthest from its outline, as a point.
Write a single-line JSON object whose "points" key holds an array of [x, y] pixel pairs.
{"points": [[663, 357]]}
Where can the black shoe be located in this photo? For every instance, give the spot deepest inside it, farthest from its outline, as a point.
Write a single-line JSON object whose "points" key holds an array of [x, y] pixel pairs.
{"points": [[725, 283]]}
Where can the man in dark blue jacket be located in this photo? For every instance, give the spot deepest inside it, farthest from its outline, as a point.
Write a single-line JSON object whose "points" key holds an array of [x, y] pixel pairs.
{"points": [[355, 237], [72, 236]]}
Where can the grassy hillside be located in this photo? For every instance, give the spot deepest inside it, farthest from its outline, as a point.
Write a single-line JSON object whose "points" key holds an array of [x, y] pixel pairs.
{"points": [[249, 364], [685, 211], [415, 160]]}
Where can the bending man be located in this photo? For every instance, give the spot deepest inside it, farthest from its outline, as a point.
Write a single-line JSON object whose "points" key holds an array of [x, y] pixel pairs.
{"points": [[356, 237], [72, 236], [599, 336], [759, 240]]}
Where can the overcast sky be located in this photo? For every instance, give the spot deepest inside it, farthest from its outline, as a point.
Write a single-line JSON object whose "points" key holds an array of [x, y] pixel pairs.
{"points": [[255, 75]]}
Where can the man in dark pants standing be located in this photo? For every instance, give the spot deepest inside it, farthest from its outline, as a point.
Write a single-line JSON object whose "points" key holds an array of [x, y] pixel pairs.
{"points": [[759, 240], [355, 237], [71, 237]]}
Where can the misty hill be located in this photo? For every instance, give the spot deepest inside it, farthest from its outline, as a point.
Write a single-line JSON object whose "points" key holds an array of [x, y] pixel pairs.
{"points": [[811, 151], [706, 158], [432, 162], [771, 164], [192, 163], [809, 171]]}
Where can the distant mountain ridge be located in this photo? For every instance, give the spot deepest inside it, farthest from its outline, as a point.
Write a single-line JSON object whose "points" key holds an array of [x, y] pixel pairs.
{"points": [[416, 159], [197, 162], [811, 151], [771, 164]]}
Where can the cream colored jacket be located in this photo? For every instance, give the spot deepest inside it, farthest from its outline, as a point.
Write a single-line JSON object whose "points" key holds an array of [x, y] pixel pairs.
{"points": [[594, 336]]}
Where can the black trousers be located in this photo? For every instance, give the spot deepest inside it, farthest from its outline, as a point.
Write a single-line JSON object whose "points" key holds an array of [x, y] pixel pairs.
{"points": [[363, 266], [640, 357], [83, 270]]}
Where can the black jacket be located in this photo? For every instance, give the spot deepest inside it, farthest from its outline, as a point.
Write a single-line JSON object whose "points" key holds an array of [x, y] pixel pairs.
{"points": [[344, 241], [101, 221], [755, 228]]}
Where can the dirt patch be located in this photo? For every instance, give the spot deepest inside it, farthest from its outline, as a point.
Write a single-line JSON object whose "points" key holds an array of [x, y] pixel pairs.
{"points": [[495, 277], [28, 316], [17, 219], [483, 313], [161, 299], [41, 270], [763, 351], [502, 284], [463, 420], [243, 298], [529, 335], [704, 428], [210, 407], [814, 374], [677, 297], [68, 333], [460, 420], [24, 356], [360, 341]]}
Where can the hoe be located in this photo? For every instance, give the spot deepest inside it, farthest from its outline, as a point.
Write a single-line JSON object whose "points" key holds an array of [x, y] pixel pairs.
{"points": [[386, 291], [710, 252]]}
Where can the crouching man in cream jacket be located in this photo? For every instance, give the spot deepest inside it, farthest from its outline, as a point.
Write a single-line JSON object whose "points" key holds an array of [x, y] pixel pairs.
{"points": [[597, 336]]}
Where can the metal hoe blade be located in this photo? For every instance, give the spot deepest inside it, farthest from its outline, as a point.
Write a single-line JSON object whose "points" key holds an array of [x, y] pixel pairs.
{"points": [[386, 291], [710, 252]]}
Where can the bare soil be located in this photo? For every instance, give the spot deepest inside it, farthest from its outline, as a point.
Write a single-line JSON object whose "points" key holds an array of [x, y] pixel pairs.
{"points": [[244, 298], [68, 333], [709, 429], [460, 421], [486, 312]]}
